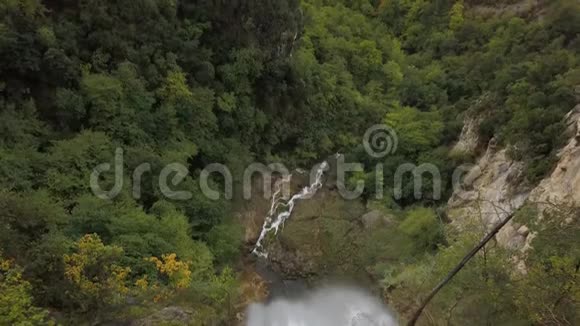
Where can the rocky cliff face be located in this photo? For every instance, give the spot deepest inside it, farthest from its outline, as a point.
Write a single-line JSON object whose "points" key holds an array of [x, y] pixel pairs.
{"points": [[490, 195], [323, 234], [469, 139], [563, 185], [324, 231], [494, 187]]}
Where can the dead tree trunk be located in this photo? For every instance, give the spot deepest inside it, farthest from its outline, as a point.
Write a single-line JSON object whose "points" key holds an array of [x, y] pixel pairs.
{"points": [[457, 268]]}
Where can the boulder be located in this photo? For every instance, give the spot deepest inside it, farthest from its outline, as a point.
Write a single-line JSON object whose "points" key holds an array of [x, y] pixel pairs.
{"points": [[524, 231], [376, 218]]}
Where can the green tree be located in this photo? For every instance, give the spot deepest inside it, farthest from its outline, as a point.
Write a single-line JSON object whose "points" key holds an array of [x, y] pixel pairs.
{"points": [[26, 218], [16, 302], [417, 131], [423, 227]]}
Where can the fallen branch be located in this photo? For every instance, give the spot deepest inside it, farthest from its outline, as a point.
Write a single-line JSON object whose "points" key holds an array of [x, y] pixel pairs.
{"points": [[457, 268]]}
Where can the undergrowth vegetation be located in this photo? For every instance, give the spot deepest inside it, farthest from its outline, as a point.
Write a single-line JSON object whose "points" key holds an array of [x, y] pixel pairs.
{"points": [[198, 82]]}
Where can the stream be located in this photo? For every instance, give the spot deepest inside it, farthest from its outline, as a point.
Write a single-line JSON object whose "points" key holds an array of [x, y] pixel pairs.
{"points": [[293, 302]]}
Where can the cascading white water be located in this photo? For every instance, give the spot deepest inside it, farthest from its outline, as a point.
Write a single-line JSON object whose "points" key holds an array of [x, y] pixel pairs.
{"points": [[333, 306], [275, 219], [330, 306]]}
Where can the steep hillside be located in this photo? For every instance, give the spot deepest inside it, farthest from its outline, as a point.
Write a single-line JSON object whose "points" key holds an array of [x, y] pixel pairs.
{"points": [[495, 188], [126, 127]]}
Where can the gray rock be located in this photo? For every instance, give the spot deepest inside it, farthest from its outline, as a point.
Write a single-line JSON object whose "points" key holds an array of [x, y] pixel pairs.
{"points": [[523, 231], [376, 218], [510, 238]]}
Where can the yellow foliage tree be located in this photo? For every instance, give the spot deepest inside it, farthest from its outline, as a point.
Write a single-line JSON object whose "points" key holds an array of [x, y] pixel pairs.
{"points": [[177, 274], [177, 271], [94, 271], [16, 306]]}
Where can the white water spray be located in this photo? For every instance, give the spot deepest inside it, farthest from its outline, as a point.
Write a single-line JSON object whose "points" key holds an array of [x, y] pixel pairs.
{"points": [[273, 221], [333, 306]]}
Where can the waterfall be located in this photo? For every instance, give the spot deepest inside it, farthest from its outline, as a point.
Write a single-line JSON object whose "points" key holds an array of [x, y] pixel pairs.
{"points": [[332, 306], [275, 219]]}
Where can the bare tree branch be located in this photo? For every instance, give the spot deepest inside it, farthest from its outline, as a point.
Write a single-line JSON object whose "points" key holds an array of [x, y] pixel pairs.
{"points": [[457, 268]]}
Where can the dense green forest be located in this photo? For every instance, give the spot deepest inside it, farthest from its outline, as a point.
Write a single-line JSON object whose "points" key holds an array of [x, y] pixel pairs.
{"points": [[198, 82]]}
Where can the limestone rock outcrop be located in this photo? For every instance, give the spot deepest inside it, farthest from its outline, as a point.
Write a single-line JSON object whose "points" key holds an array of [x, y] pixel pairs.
{"points": [[493, 188]]}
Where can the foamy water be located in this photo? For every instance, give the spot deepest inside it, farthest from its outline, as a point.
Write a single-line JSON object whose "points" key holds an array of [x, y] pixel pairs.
{"points": [[331, 306], [277, 218]]}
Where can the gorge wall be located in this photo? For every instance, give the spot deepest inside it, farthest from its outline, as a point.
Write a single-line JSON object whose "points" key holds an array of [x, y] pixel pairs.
{"points": [[495, 187]]}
